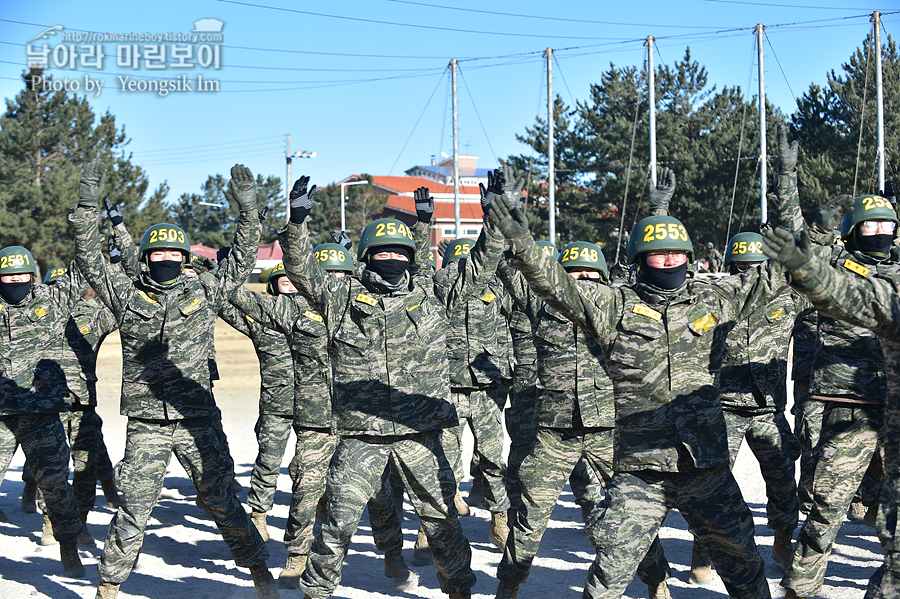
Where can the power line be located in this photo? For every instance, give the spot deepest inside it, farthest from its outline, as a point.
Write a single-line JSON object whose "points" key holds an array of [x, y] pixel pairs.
{"points": [[428, 103], [783, 74], [483, 130], [240, 141], [781, 5]]}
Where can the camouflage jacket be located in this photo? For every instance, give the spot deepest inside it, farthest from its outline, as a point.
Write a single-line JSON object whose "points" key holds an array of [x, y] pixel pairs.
{"points": [[32, 340], [476, 322], [89, 324], [276, 371], [387, 343], [574, 389], [305, 339], [663, 352], [166, 330]]}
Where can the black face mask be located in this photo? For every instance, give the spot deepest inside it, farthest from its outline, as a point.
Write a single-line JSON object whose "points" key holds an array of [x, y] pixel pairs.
{"points": [[165, 271], [665, 278], [389, 270], [878, 246], [15, 292]]}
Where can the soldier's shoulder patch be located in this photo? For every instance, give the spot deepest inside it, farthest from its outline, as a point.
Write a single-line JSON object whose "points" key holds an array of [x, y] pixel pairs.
{"points": [[195, 303], [704, 323], [647, 311], [856, 267], [312, 316], [366, 299], [40, 312], [488, 297], [150, 299], [84, 330]]}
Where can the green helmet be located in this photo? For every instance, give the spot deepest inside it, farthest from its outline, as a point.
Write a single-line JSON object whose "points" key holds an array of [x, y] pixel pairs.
{"points": [[54, 273], [457, 250], [264, 274], [745, 247], [583, 254], [333, 256], [548, 248], [271, 281], [16, 260], [658, 233], [165, 236], [385, 231], [867, 207]]}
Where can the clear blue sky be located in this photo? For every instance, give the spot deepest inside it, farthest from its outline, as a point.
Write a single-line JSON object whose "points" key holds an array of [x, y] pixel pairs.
{"points": [[350, 79]]}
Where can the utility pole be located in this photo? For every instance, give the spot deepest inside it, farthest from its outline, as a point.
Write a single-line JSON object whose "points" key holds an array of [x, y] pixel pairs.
{"points": [[456, 218], [762, 125], [551, 176], [879, 100], [651, 84], [287, 182]]}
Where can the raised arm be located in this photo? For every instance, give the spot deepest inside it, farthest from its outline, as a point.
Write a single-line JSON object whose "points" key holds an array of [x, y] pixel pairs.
{"points": [[121, 239]]}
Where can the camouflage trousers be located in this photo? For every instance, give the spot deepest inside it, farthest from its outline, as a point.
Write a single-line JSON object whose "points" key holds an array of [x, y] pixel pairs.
{"points": [[43, 442], [272, 433], [807, 427], [198, 446], [776, 448], [356, 471], [479, 408], [849, 442], [636, 506], [885, 583]]}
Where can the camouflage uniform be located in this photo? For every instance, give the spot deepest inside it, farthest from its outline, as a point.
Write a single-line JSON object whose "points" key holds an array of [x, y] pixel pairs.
{"points": [[807, 412], [387, 345], [166, 392], [663, 351]]}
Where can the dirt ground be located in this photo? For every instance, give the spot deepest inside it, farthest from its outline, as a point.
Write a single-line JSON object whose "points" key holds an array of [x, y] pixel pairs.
{"points": [[183, 555]]}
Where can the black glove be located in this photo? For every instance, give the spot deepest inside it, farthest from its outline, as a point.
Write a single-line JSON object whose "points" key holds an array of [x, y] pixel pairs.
{"points": [[496, 183], [660, 195], [442, 246], [510, 220], [512, 187], [424, 204], [92, 178], [113, 212], [829, 216], [342, 239], [222, 253], [792, 253], [301, 200], [787, 152], [115, 256], [243, 187], [261, 213], [890, 192]]}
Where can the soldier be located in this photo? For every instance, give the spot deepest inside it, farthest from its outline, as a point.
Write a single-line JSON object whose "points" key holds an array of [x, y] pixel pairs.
{"points": [[575, 417], [387, 344], [167, 321], [713, 257], [34, 318], [662, 341], [871, 302]]}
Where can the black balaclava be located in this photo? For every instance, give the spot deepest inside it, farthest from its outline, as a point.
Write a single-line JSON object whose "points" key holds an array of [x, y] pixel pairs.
{"points": [[15, 292], [390, 270], [664, 278], [877, 246], [164, 271]]}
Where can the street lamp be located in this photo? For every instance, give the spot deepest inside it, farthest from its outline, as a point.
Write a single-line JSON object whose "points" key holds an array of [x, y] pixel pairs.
{"points": [[343, 185], [288, 156]]}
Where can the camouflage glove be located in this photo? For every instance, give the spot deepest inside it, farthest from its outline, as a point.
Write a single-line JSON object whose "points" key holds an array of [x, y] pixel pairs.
{"points": [[787, 152], [495, 188], [261, 213], [442, 246], [829, 215], [243, 187], [889, 193], [424, 204], [512, 187], [342, 239], [92, 178], [660, 196], [792, 253], [113, 213], [301, 200], [510, 220], [115, 256]]}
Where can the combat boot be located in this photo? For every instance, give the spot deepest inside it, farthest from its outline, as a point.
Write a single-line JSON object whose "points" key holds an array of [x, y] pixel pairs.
{"points": [[792, 594], [422, 552], [107, 590], [507, 590], [871, 516], [259, 521], [857, 511], [782, 550], [264, 583], [293, 570], [85, 538], [68, 554], [476, 493], [29, 494], [658, 591], [47, 537], [701, 565], [499, 529], [395, 568], [462, 508], [111, 494]]}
